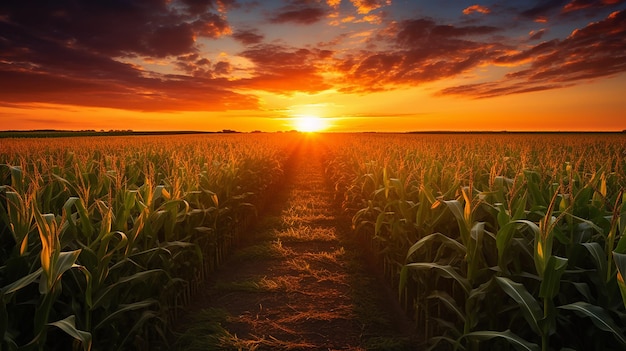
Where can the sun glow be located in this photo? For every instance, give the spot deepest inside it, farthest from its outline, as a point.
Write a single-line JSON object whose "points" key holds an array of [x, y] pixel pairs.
{"points": [[309, 123]]}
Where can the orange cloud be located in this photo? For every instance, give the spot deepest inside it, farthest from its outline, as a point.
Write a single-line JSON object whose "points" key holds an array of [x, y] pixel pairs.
{"points": [[576, 5], [476, 8], [536, 34], [591, 52], [286, 70], [333, 3], [366, 6]]}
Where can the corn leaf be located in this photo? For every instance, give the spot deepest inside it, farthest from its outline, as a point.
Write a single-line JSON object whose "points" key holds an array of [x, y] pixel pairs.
{"points": [[514, 340], [22, 282], [550, 285], [445, 271], [434, 238], [448, 302], [620, 263], [68, 325], [598, 316], [124, 309], [530, 308], [598, 256]]}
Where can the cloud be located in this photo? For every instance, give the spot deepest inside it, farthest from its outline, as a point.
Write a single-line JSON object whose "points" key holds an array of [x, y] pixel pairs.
{"points": [[544, 9], [366, 6], [299, 14], [564, 9], [285, 70], [490, 90], [166, 93], [333, 3], [92, 53], [536, 34], [117, 28], [476, 8], [68, 52], [422, 51], [576, 5], [194, 65], [425, 51], [595, 51], [248, 37]]}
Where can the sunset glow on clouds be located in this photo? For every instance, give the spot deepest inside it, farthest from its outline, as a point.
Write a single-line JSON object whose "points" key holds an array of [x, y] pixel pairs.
{"points": [[362, 64]]}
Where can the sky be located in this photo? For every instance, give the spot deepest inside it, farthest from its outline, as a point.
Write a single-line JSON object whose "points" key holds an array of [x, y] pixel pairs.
{"points": [[347, 65]]}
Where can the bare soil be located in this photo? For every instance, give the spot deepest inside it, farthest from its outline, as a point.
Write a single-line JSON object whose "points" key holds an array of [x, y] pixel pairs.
{"points": [[301, 284]]}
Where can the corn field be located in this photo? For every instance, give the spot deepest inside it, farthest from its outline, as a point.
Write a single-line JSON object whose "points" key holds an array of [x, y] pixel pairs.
{"points": [[495, 241], [103, 239]]}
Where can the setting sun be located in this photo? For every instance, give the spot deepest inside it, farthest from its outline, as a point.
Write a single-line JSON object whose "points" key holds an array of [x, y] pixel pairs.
{"points": [[332, 66], [309, 123]]}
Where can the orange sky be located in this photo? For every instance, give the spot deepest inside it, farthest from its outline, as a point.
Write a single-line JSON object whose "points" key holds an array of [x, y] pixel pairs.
{"points": [[362, 65]]}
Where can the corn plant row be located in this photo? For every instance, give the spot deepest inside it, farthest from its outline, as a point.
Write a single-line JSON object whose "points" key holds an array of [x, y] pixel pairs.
{"points": [[103, 239], [495, 241]]}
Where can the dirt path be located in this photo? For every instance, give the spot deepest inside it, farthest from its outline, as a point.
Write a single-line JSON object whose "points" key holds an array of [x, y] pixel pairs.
{"points": [[301, 286]]}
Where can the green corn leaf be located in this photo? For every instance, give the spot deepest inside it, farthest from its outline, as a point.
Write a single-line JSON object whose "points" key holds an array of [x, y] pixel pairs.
{"points": [[434, 238], [620, 263], [404, 277], [621, 244], [514, 340], [17, 217], [22, 282], [380, 220], [503, 216], [436, 340], [598, 256], [458, 211], [599, 317], [104, 295], [68, 325], [146, 316], [448, 302], [530, 308], [124, 309], [550, 285], [445, 270], [506, 233]]}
